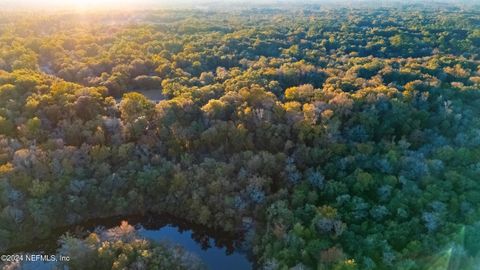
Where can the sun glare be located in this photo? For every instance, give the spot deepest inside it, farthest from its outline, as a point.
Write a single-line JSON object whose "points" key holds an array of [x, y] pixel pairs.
{"points": [[87, 4]]}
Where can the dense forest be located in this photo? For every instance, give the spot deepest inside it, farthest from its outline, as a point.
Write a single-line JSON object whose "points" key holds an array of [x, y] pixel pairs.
{"points": [[330, 138]]}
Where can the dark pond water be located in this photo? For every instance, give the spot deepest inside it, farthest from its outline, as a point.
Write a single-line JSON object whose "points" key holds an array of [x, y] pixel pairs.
{"points": [[218, 250]]}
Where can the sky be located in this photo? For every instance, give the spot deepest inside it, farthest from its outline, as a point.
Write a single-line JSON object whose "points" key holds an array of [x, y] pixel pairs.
{"points": [[114, 4], [142, 4], [77, 3]]}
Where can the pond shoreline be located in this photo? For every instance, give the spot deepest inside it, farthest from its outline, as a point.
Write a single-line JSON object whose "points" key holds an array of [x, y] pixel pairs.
{"points": [[148, 221]]}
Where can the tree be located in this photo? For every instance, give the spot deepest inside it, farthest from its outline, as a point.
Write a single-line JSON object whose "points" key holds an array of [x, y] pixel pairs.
{"points": [[135, 105], [87, 107]]}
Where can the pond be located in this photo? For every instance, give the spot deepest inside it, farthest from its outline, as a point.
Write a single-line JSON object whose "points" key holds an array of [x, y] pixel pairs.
{"points": [[218, 250]]}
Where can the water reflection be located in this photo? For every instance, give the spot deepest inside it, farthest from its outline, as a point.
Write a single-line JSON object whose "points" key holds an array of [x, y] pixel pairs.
{"points": [[218, 250], [215, 255]]}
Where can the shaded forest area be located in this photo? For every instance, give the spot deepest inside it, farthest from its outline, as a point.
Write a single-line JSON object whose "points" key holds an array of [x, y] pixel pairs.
{"points": [[332, 138]]}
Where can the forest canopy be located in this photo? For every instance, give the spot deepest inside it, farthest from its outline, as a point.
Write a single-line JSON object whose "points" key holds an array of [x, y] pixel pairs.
{"points": [[331, 138]]}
